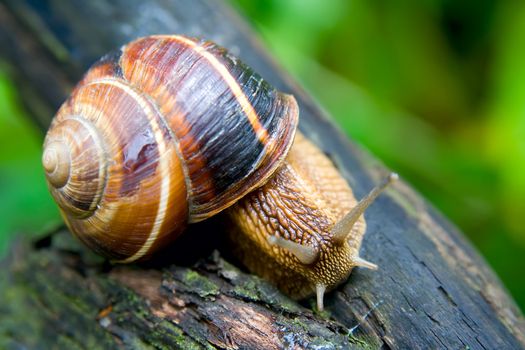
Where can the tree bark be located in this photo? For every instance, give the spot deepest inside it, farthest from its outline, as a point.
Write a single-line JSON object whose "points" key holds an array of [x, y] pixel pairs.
{"points": [[432, 290]]}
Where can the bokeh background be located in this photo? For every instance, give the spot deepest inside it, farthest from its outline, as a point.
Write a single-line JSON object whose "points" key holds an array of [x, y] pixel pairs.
{"points": [[434, 88]]}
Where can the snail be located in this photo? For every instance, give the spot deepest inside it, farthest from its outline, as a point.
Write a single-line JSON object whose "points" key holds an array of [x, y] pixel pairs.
{"points": [[171, 130]]}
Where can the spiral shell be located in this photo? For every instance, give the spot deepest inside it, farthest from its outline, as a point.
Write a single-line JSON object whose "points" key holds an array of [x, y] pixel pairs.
{"points": [[166, 131]]}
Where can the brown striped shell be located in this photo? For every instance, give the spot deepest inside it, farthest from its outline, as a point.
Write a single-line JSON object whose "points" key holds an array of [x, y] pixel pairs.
{"points": [[166, 131]]}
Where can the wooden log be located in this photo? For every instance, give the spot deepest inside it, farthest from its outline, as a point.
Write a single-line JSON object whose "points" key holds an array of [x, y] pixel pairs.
{"points": [[432, 290]]}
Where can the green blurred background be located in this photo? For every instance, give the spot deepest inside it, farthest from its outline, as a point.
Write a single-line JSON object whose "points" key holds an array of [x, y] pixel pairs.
{"points": [[434, 88]]}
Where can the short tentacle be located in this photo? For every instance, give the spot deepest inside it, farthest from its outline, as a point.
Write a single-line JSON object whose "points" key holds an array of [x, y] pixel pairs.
{"points": [[320, 289], [358, 261], [306, 254]]}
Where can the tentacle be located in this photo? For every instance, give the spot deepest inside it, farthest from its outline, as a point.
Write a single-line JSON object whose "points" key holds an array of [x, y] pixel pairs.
{"points": [[343, 228], [319, 290], [358, 261], [306, 254]]}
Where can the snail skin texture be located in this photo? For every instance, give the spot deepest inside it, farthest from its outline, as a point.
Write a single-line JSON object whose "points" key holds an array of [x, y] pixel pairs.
{"points": [[171, 130]]}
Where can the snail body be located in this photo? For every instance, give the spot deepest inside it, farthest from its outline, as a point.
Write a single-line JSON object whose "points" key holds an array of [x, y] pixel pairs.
{"points": [[302, 230], [170, 130]]}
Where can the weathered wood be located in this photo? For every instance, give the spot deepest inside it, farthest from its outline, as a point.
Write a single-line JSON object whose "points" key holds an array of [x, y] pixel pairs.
{"points": [[432, 289], [81, 303]]}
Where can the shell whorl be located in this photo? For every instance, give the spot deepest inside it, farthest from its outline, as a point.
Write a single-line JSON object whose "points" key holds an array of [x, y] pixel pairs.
{"points": [[125, 194], [168, 130], [57, 163], [75, 165]]}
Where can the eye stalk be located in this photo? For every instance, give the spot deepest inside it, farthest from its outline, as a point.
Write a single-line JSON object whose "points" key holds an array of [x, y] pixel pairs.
{"points": [[343, 228]]}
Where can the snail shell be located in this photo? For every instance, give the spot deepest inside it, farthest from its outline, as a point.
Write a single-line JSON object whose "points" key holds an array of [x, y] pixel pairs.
{"points": [[166, 131]]}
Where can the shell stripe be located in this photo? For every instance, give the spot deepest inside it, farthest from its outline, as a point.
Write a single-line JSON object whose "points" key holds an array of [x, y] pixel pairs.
{"points": [[102, 172], [249, 111], [165, 185]]}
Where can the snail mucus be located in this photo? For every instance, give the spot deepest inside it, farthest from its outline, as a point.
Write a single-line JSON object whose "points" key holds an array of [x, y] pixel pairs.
{"points": [[171, 130]]}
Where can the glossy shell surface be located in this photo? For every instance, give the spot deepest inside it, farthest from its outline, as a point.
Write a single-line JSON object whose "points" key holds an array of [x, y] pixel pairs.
{"points": [[165, 131]]}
